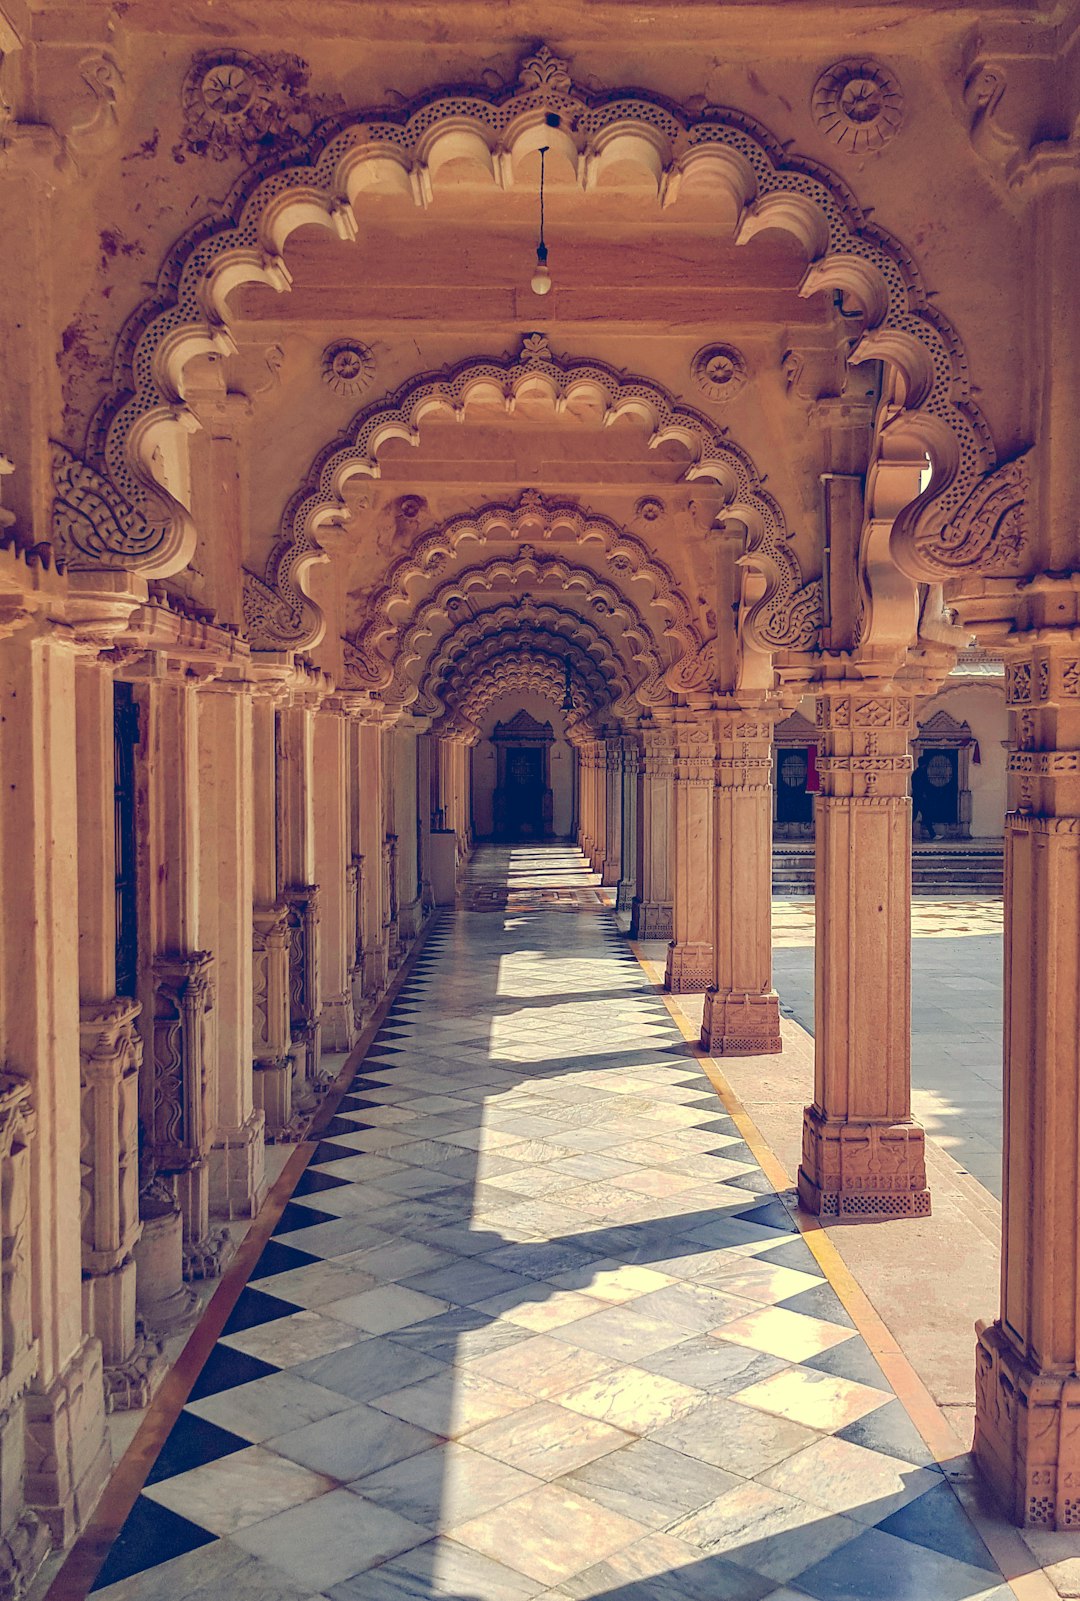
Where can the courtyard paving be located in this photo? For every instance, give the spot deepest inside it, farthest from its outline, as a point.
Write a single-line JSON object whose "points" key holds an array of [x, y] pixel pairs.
{"points": [[535, 1323]]}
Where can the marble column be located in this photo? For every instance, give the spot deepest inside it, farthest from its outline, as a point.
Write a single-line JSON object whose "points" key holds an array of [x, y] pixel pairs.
{"points": [[407, 830], [237, 1175], [629, 855], [426, 759], [178, 1019], [1027, 1415], [54, 1456], [332, 859], [742, 1010], [110, 1061], [650, 914], [690, 952], [372, 843], [270, 1041], [299, 889], [863, 1155], [611, 778]]}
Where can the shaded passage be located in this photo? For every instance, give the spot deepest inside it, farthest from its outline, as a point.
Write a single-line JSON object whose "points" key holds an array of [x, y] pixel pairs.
{"points": [[535, 1324]]}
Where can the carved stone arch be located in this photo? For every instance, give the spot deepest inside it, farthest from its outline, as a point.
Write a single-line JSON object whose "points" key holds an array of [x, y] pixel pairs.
{"points": [[538, 617], [626, 557], [547, 574], [756, 182], [590, 652], [452, 680], [786, 616]]}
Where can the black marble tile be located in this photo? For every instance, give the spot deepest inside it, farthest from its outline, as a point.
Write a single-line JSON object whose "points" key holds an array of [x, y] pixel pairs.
{"points": [[310, 1181], [151, 1535], [755, 1181], [190, 1443], [796, 1254], [772, 1216], [254, 1307], [225, 1368], [937, 1521], [822, 1301], [296, 1216], [889, 1430], [327, 1151], [849, 1360], [279, 1258]]}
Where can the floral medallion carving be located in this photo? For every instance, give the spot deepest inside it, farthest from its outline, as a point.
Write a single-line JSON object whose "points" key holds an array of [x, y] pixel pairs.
{"points": [[858, 104], [348, 367], [720, 371], [236, 103]]}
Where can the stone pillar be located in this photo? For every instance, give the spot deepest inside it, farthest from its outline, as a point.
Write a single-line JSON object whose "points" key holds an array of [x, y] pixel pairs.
{"points": [[611, 778], [426, 758], [690, 953], [178, 1022], [237, 1176], [650, 914], [629, 855], [270, 1039], [299, 890], [407, 831], [742, 1010], [54, 1456], [110, 1060], [337, 940], [1027, 1433], [372, 848], [862, 1153]]}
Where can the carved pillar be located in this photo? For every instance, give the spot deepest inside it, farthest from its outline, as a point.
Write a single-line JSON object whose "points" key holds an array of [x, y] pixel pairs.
{"points": [[862, 1153], [427, 757], [690, 953], [373, 904], [650, 916], [598, 805], [24, 1538], [236, 1174], [742, 1010], [270, 1037], [407, 829], [110, 1054], [298, 888], [612, 780], [338, 942], [178, 1085], [390, 926], [629, 851], [1027, 1433], [52, 1370]]}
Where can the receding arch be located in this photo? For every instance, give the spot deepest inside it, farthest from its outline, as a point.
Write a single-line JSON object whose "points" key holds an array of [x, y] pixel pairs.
{"points": [[756, 184]]}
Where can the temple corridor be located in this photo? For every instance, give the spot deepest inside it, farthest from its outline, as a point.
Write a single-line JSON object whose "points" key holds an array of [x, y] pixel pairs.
{"points": [[534, 1322]]}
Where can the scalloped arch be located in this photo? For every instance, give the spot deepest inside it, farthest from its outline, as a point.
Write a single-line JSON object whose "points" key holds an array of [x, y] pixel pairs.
{"points": [[788, 613], [449, 676], [755, 181]]}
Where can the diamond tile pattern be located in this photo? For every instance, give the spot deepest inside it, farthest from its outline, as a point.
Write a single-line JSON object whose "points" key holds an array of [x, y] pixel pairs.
{"points": [[535, 1324]]}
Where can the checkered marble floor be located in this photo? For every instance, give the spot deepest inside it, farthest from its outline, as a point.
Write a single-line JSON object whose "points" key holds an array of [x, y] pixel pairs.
{"points": [[534, 1324]]}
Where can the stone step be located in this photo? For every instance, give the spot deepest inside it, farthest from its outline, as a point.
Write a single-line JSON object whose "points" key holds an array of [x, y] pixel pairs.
{"points": [[942, 873]]}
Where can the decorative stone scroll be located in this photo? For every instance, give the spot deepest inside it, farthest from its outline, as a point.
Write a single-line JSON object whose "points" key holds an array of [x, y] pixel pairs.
{"points": [[989, 532], [188, 315], [93, 524]]}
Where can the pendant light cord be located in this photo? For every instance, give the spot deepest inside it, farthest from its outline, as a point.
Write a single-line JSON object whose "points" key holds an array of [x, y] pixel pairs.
{"points": [[543, 156]]}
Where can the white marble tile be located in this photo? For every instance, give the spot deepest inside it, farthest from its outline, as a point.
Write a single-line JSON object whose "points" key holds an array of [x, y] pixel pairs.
{"points": [[237, 1490]]}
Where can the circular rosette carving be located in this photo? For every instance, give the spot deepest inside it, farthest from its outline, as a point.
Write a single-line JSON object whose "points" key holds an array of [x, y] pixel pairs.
{"points": [[858, 104], [720, 371], [348, 367]]}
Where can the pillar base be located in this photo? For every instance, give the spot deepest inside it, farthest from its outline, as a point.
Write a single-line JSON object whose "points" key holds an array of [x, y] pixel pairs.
{"points": [[339, 1032], [651, 920], [737, 1024], [272, 1090], [1027, 1434], [23, 1548], [108, 1301], [164, 1302], [689, 968], [67, 1451], [238, 1170], [129, 1384], [610, 874], [624, 899], [858, 1171]]}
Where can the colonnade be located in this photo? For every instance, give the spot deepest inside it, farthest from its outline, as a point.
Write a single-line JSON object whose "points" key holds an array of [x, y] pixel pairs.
{"points": [[212, 863]]}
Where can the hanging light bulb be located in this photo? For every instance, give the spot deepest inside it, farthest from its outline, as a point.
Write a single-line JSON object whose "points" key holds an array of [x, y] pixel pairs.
{"points": [[541, 278]]}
